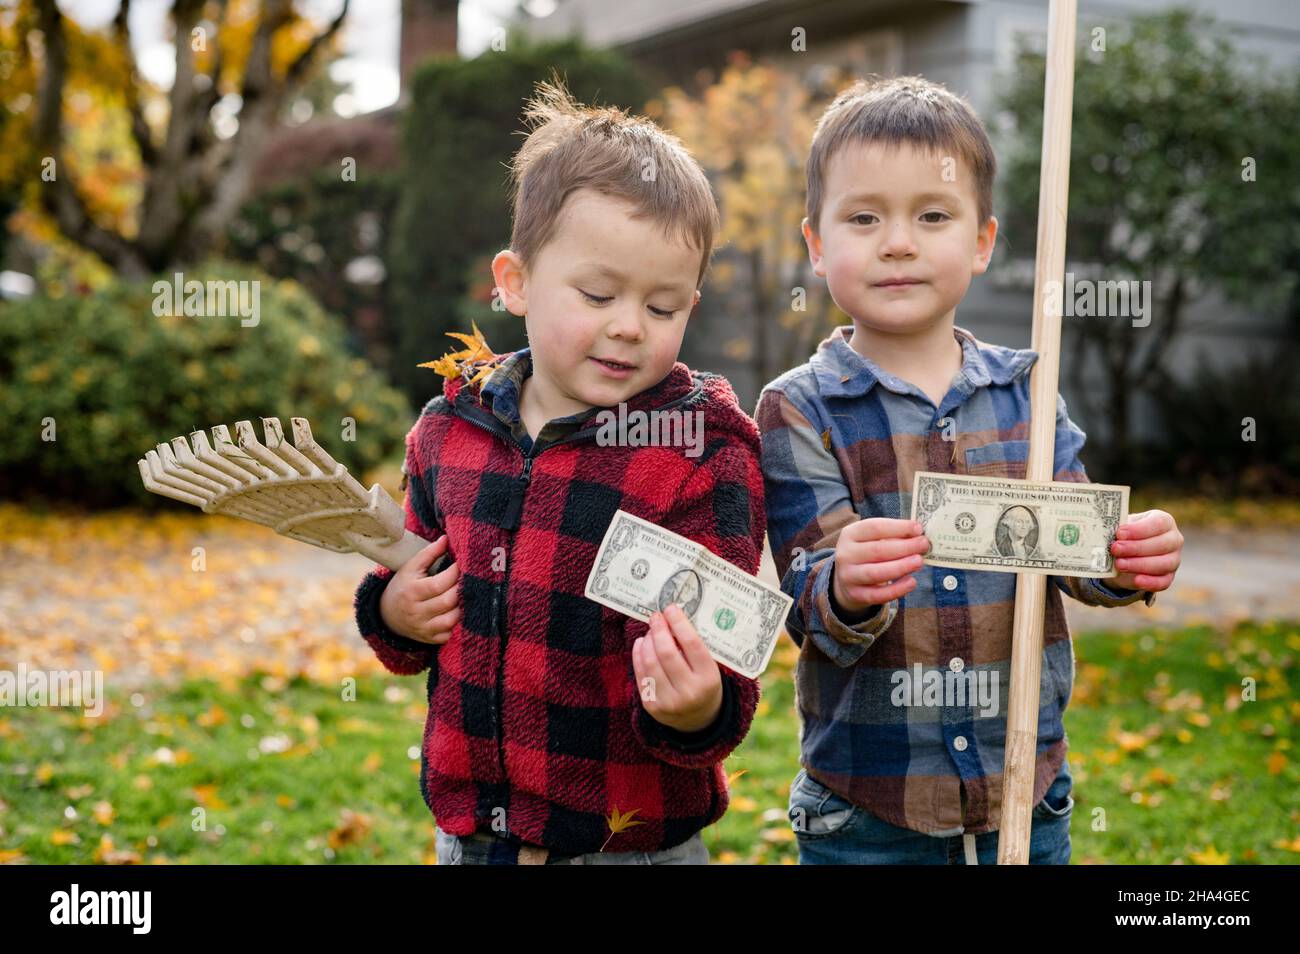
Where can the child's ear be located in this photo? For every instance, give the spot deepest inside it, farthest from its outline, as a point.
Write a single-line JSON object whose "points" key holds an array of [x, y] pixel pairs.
{"points": [[814, 242], [984, 242], [511, 280]]}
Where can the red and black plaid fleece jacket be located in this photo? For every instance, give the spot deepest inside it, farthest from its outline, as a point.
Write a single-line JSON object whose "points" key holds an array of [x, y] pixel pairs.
{"points": [[534, 716]]}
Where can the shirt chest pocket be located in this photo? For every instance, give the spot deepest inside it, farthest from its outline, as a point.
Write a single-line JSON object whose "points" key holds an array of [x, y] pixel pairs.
{"points": [[998, 459]]}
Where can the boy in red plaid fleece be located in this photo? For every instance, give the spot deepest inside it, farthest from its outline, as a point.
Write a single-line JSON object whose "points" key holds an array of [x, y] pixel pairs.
{"points": [[554, 721]]}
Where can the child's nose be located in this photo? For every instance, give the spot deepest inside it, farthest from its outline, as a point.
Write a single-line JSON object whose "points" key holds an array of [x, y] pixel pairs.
{"points": [[625, 323], [898, 241]]}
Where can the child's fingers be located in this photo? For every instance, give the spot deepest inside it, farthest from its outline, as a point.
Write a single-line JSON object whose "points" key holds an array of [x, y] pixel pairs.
{"points": [[428, 587], [884, 592], [1152, 565], [426, 557], [879, 551], [875, 573], [1143, 525], [439, 602], [651, 669], [1153, 583], [688, 638], [880, 528], [1168, 542], [667, 652], [438, 629]]}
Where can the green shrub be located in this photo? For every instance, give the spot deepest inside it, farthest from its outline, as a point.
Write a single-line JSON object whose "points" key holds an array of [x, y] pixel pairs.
{"points": [[115, 380]]}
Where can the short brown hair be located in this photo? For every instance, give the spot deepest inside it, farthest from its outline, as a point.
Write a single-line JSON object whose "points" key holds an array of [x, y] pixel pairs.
{"points": [[571, 147], [903, 109]]}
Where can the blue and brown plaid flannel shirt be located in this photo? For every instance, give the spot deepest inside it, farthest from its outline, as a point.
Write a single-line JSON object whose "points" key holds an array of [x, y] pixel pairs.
{"points": [[842, 441]]}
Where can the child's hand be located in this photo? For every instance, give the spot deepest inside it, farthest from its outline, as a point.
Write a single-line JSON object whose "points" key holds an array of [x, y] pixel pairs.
{"points": [[684, 687], [1148, 550], [422, 607], [874, 562]]}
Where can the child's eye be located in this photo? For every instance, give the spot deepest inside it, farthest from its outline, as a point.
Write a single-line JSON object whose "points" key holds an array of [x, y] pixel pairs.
{"points": [[661, 312], [943, 216], [595, 299], [861, 215]]}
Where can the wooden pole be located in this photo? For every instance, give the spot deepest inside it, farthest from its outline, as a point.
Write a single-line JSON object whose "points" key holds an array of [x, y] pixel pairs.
{"points": [[1031, 588]]}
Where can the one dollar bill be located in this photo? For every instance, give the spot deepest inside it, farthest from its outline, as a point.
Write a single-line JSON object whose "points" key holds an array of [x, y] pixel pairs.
{"points": [[641, 568], [1016, 526]]}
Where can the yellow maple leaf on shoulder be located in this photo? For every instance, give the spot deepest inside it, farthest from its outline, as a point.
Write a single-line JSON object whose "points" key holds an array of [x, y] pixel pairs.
{"points": [[453, 363]]}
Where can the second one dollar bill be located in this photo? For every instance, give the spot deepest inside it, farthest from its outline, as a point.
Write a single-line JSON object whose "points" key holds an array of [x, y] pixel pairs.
{"points": [[988, 523], [641, 568]]}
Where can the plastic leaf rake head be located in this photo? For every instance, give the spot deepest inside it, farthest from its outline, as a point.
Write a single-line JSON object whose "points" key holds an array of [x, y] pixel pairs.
{"points": [[297, 490]]}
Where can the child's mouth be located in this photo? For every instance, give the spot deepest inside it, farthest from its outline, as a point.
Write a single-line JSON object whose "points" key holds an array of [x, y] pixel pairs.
{"points": [[615, 369]]}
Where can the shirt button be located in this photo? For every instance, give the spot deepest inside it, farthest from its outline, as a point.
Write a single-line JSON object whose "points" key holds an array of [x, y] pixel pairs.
{"points": [[956, 664], [950, 582], [959, 743]]}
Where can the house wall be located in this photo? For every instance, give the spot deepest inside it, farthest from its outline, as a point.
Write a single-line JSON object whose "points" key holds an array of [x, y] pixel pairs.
{"points": [[968, 46]]}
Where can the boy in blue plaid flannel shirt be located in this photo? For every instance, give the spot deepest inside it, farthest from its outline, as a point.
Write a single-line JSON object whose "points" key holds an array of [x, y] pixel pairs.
{"points": [[899, 219]]}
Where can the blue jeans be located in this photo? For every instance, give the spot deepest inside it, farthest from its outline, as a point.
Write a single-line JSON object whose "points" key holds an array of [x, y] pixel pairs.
{"points": [[837, 832], [484, 849]]}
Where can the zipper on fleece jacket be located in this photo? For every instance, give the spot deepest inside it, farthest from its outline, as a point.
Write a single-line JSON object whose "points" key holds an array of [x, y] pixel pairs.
{"points": [[514, 516], [500, 604]]}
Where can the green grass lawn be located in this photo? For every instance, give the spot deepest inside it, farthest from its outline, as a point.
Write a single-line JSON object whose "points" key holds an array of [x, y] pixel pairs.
{"points": [[271, 770]]}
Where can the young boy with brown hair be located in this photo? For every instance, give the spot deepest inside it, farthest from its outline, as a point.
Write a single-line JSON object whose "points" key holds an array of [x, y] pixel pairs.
{"points": [[899, 219], [542, 743]]}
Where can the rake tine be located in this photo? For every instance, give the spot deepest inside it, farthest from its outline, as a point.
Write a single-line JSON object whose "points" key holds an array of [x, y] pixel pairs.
{"points": [[166, 491], [273, 438], [162, 477], [237, 477], [302, 437], [204, 452], [254, 509], [172, 467], [227, 449], [186, 458], [248, 442], [306, 443]]}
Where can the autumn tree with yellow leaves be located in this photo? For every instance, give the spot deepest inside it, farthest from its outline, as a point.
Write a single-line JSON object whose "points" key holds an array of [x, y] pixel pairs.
{"points": [[143, 177], [751, 131]]}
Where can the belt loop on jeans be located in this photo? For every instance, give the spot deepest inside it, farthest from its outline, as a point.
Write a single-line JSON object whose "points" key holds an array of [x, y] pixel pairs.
{"points": [[968, 841]]}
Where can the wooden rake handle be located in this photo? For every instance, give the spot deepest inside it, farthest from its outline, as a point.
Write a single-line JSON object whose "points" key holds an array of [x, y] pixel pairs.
{"points": [[1031, 588]]}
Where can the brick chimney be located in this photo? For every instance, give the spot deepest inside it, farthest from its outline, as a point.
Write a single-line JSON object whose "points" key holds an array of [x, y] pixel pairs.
{"points": [[428, 28]]}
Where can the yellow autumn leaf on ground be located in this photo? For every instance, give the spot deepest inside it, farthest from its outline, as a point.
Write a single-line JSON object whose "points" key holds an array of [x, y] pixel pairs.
{"points": [[10, 857], [62, 836], [353, 827], [1131, 741], [1210, 856], [1276, 763], [734, 776], [206, 795], [106, 855], [103, 813]]}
